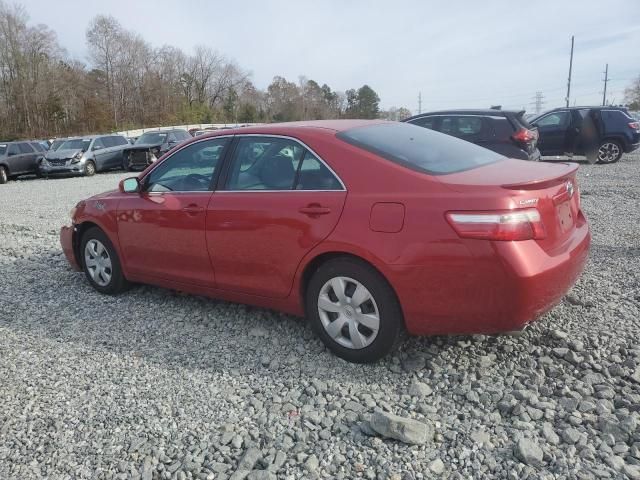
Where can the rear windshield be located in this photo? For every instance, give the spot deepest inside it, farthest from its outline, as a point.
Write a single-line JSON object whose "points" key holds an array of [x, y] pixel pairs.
{"points": [[419, 148]]}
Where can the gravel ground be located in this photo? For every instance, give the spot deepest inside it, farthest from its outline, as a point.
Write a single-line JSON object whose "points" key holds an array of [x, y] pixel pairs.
{"points": [[156, 384]]}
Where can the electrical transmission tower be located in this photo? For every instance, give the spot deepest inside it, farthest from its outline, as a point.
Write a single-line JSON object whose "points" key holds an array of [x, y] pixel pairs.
{"points": [[538, 101], [605, 80]]}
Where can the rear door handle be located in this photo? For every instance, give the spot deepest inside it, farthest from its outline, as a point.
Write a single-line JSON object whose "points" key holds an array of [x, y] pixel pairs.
{"points": [[313, 210], [193, 209]]}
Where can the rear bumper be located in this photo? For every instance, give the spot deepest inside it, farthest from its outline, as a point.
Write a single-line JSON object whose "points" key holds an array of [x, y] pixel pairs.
{"points": [[67, 241], [502, 287]]}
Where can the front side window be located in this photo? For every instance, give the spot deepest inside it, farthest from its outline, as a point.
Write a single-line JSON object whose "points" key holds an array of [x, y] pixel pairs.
{"points": [[264, 163], [13, 149], [556, 119], [190, 169], [98, 143], [3, 148], [419, 148]]}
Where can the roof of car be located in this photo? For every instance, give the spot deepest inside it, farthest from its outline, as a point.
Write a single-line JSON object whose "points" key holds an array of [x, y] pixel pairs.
{"points": [[596, 107], [272, 128], [490, 112]]}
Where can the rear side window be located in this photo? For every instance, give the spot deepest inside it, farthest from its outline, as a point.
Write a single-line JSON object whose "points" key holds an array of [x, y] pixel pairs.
{"points": [[419, 148], [426, 122], [25, 148], [469, 126], [312, 174]]}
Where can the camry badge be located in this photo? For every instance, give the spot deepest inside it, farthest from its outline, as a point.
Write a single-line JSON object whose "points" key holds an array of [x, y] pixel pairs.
{"points": [[529, 201], [570, 188]]}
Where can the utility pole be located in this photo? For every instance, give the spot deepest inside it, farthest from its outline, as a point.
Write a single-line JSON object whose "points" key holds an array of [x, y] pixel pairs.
{"points": [[419, 102], [538, 101], [606, 79], [570, 66]]}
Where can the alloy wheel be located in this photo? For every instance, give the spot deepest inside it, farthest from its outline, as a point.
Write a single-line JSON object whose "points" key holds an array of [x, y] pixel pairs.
{"points": [[348, 312], [98, 262], [90, 169], [608, 152]]}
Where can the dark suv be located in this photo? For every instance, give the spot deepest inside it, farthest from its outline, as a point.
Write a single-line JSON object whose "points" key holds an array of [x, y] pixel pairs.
{"points": [[602, 134], [504, 132], [17, 158]]}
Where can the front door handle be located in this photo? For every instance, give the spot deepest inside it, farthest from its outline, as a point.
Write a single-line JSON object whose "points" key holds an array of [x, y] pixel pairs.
{"points": [[314, 210], [193, 209]]}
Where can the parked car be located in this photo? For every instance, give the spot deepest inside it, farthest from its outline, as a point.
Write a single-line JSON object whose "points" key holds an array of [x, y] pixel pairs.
{"points": [[85, 155], [152, 145], [436, 235], [602, 134], [17, 158], [505, 132]]}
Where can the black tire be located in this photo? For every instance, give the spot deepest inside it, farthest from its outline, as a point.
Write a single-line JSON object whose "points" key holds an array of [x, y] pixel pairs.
{"points": [[4, 178], [117, 283], [126, 166], [89, 168], [391, 321]]}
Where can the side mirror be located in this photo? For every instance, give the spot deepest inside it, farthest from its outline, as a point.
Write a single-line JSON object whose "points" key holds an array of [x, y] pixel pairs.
{"points": [[129, 185]]}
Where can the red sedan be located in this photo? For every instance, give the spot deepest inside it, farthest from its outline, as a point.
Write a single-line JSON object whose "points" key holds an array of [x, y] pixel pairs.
{"points": [[367, 228]]}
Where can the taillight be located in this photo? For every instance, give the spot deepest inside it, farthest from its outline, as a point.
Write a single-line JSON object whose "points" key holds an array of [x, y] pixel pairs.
{"points": [[634, 126], [524, 135], [507, 225]]}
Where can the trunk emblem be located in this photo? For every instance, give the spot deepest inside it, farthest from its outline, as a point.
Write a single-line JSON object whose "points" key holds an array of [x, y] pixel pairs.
{"points": [[530, 201], [570, 188]]}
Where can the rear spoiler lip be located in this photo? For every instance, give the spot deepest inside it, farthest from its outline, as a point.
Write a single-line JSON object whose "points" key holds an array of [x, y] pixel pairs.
{"points": [[571, 169]]}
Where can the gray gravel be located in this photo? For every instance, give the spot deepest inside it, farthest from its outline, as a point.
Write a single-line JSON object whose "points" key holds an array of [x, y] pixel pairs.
{"points": [[156, 384]]}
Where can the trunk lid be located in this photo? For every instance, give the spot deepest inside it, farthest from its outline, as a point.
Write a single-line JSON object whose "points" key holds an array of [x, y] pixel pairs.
{"points": [[550, 188]]}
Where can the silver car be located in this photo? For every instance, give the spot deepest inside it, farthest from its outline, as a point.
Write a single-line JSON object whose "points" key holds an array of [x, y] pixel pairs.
{"points": [[85, 155]]}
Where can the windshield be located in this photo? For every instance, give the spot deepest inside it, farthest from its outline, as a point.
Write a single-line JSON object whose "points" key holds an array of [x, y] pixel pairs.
{"points": [[76, 144], [419, 148], [56, 145], [151, 137]]}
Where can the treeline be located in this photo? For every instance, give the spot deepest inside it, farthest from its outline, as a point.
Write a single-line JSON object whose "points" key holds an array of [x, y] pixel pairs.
{"points": [[127, 84]]}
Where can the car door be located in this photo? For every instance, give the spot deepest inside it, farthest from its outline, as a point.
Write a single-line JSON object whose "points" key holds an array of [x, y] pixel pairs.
{"points": [[27, 158], [278, 200], [553, 131], [162, 228], [100, 152]]}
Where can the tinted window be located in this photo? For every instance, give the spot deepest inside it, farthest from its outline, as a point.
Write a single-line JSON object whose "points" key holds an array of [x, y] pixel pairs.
{"points": [[13, 149], [3, 148], [264, 163], [56, 145], [190, 169], [468, 126], [108, 142], [426, 122], [419, 148], [98, 143], [314, 175], [37, 147], [556, 119], [25, 148], [119, 140]]}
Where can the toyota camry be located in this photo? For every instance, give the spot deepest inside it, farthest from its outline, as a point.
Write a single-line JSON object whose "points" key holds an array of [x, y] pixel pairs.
{"points": [[366, 228]]}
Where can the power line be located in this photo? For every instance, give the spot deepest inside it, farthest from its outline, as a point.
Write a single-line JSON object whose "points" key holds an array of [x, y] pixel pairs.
{"points": [[606, 79]]}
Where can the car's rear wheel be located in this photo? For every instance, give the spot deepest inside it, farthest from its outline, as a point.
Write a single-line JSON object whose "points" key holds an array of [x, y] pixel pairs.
{"points": [[4, 178], [609, 151], [101, 263], [89, 168], [353, 310]]}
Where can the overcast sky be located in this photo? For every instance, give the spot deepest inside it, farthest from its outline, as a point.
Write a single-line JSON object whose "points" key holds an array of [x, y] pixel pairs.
{"points": [[463, 53]]}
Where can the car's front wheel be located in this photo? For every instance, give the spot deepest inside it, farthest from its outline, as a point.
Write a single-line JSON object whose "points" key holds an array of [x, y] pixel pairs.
{"points": [[353, 310], [101, 263], [89, 168]]}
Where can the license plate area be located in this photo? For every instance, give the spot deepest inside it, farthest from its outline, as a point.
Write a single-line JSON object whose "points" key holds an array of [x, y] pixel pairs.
{"points": [[565, 216]]}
